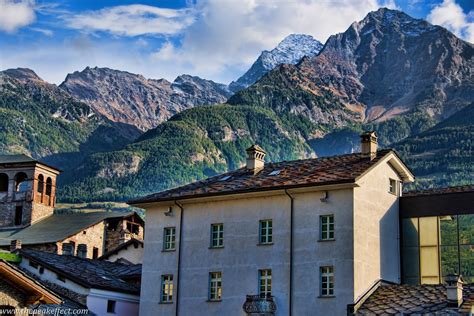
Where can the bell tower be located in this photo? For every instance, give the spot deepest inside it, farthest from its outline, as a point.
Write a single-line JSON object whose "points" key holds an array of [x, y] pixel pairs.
{"points": [[27, 190]]}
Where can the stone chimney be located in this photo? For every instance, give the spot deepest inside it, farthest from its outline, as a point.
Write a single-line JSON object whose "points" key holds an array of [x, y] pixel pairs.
{"points": [[368, 144], [15, 245], [255, 158], [454, 290]]}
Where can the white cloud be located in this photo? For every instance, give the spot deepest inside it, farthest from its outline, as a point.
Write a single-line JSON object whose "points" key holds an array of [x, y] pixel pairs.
{"points": [[228, 35], [15, 14], [45, 32], [451, 15], [132, 20]]}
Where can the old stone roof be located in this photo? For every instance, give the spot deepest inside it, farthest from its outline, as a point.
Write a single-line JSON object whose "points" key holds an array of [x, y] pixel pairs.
{"points": [[132, 242], [446, 190], [15, 159], [86, 272], [58, 227], [400, 299], [22, 159], [274, 176]]}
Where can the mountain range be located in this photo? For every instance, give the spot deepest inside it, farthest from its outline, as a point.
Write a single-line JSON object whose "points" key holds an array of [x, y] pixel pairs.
{"points": [[409, 80]]}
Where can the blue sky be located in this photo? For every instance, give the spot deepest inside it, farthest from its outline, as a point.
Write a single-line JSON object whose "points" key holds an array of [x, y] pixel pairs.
{"points": [[214, 39]]}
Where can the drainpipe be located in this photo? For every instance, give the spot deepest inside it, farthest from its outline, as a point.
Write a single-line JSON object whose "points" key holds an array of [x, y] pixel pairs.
{"points": [[179, 255], [291, 252]]}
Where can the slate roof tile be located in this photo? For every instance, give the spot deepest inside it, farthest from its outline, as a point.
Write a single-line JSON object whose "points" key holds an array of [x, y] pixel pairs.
{"points": [[297, 173]]}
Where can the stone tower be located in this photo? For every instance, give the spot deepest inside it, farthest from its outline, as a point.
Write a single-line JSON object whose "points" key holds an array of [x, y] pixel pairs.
{"points": [[27, 190]]}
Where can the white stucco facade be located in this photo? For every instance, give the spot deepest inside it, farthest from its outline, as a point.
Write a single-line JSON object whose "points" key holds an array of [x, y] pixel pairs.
{"points": [[364, 250]]}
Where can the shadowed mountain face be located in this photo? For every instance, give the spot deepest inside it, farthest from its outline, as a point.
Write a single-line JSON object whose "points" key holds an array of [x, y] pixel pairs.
{"points": [[385, 65], [132, 99], [43, 121], [289, 51]]}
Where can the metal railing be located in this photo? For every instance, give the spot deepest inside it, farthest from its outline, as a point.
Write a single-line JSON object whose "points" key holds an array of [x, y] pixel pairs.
{"points": [[260, 305]]}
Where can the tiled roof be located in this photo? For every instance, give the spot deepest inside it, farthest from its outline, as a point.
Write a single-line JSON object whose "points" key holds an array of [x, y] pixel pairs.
{"points": [[447, 190], [15, 159], [22, 159], [58, 227], [398, 299], [281, 175], [86, 272]]}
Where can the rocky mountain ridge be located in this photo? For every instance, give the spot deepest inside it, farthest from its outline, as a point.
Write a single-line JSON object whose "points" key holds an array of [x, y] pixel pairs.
{"points": [[289, 51], [383, 66], [132, 99]]}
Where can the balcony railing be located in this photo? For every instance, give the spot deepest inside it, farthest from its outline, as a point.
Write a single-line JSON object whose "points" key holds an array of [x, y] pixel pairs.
{"points": [[258, 305]]}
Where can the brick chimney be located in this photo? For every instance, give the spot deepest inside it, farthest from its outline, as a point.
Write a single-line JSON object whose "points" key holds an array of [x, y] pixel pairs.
{"points": [[15, 245], [368, 144], [255, 158], [454, 290]]}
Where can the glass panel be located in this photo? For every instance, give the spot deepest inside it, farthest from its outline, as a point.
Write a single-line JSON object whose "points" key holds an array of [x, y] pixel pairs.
{"points": [[467, 262], [411, 262], [428, 231], [449, 260], [448, 231], [429, 263], [410, 231], [466, 229]]}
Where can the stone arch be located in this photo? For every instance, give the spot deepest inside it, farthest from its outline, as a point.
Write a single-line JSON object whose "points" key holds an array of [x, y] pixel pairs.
{"points": [[3, 182], [40, 184], [49, 190], [21, 182]]}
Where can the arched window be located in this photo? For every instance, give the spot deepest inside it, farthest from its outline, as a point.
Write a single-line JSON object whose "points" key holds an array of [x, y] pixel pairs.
{"points": [[49, 186], [21, 182], [40, 183], [3, 182]]}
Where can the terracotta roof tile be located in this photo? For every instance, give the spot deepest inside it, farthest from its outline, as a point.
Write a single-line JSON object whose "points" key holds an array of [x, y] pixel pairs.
{"points": [[297, 173]]}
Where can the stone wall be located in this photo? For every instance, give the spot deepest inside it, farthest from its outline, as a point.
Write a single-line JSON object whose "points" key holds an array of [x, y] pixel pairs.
{"points": [[10, 296], [93, 237]]}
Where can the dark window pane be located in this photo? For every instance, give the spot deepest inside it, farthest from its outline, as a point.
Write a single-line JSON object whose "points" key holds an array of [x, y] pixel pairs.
{"points": [[448, 231], [449, 260], [410, 232], [467, 261], [411, 262], [466, 229]]}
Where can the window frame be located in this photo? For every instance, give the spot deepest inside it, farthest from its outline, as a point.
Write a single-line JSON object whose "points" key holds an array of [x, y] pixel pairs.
{"points": [[326, 277], [166, 289], [324, 228], [215, 286], [265, 283], [267, 238], [220, 236], [169, 245], [392, 186]]}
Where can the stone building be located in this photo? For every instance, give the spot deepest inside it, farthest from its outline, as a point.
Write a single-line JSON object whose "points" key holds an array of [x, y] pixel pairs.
{"points": [[305, 237], [130, 252], [27, 190], [27, 200]]}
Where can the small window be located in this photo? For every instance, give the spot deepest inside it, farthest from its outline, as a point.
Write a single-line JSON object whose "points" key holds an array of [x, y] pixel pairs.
{"points": [[274, 173], [60, 278], [95, 253], [41, 270], [215, 286], [327, 281], [111, 306], [393, 186], [82, 251], [3, 182], [18, 215], [326, 227], [217, 235], [265, 283], [266, 231], [169, 238], [225, 178], [167, 288]]}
